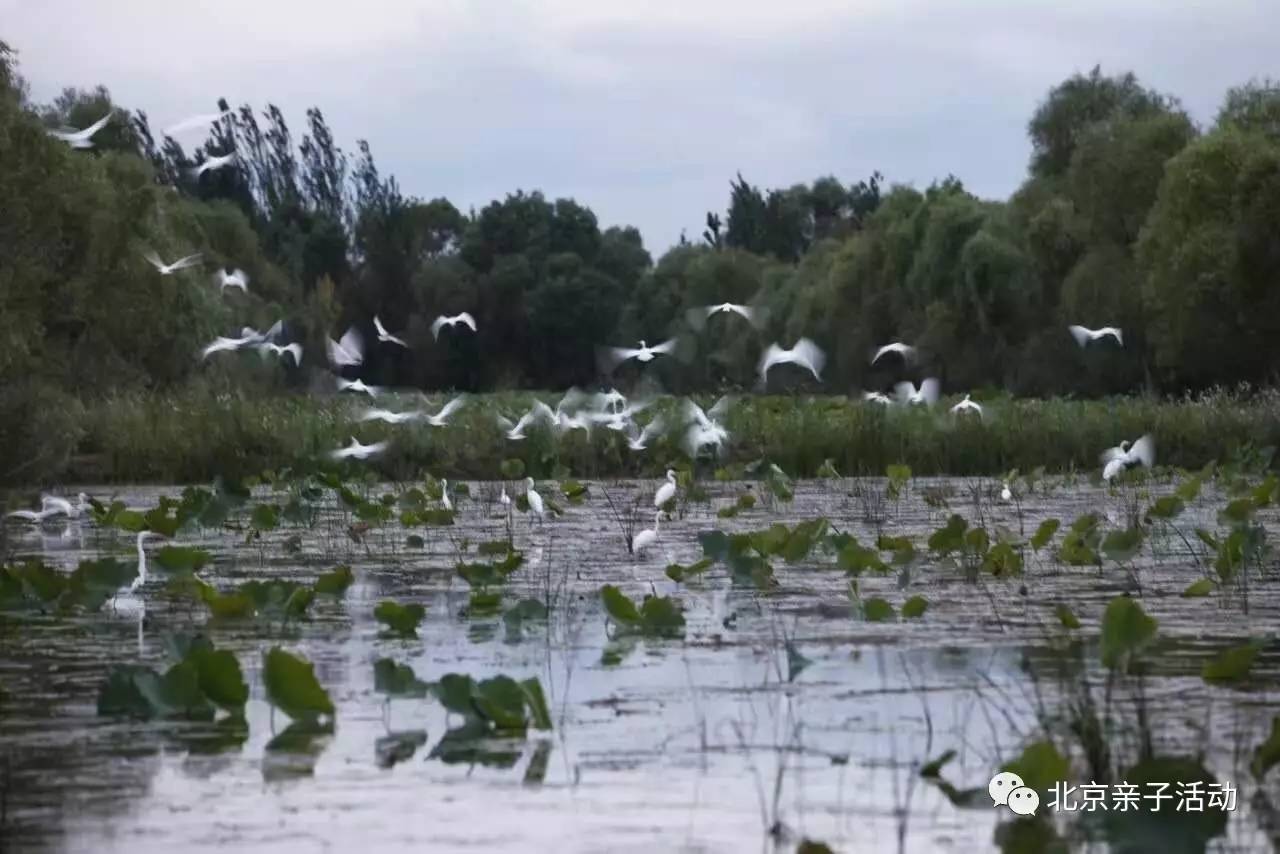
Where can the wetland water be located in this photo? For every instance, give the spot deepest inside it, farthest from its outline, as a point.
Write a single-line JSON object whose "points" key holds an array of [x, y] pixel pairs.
{"points": [[781, 715]]}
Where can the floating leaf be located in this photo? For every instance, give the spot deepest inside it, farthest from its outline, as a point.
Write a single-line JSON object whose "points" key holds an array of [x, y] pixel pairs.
{"points": [[493, 548], [536, 700], [182, 558], [292, 686], [1044, 533], [914, 607], [876, 610], [334, 582], [680, 572], [1238, 512], [398, 747], [226, 606], [620, 608], [1126, 630], [1203, 587], [1040, 766], [1267, 754], [414, 541], [401, 619], [1168, 507], [1189, 490], [950, 537], [1123, 545], [1066, 616], [501, 701], [1003, 561], [1231, 665], [219, 677], [397, 680], [265, 517]]}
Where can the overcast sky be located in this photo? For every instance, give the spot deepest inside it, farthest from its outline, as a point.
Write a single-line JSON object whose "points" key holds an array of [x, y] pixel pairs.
{"points": [[644, 110]]}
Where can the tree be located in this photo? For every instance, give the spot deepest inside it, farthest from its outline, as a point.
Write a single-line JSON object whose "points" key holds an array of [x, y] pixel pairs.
{"points": [[1254, 106]]}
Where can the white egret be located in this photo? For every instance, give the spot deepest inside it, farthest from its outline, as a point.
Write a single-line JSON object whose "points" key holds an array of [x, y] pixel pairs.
{"points": [[538, 412], [141, 579], [384, 335], [907, 352], [1126, 456], [169, 269], [877, 397], [348, 351], [440, 322], [358, 386], [805, 353], [81, 138], [441, 418], [444, 495], [666, 492], [1084, 335], [222, 343], [614, 356], [237, 278], [699, 316], [648, 536], [358, 451], [531, 495], [613, 400], [294, 349], [503, 498], [639, 439], [1006, 494], [33, 516], [391, 417], [56, 504], [706, 428], [926, 394], [213, 162], [966, 406], [194, 122]]}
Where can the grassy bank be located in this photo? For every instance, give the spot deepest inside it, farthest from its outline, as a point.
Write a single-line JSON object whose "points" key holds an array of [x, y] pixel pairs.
{"points": [[198, 434]]}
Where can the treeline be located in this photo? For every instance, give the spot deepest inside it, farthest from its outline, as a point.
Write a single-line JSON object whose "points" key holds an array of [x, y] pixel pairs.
{"points": [[1130, 215]]}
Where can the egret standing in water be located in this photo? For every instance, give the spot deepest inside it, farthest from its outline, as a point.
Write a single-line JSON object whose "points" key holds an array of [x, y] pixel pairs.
{"points": [[444, 495], [647, 537], [666, 492], [535, 500]]}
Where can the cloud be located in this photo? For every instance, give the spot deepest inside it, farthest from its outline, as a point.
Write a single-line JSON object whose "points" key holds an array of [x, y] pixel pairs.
{"points": [[645, 111]]}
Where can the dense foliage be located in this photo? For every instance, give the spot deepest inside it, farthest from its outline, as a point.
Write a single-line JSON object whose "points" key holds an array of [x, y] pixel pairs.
{"points": [[1130, 215]]}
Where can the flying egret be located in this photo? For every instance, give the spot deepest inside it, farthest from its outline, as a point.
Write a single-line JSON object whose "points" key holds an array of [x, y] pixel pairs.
{"points": [[441, 418], [699, 316], [221, 343], [613, 400], [531, 495], [194, 122], [647, 537], [33, 516], [348, 351], [538, 412], [440, 322], [358, 451], [56, 504], [965, 406], [907, 352], [81, 138], [877, 397], [391, 417], [169, 269], [384, 335], [611, 357], [1084, 335], [358, 386], [638, 440], [1126, 456], [237, 278], [213, 162], [666, 492], [444, 495], [926, 394], [705, 427], [294, 349], [805, 353]]}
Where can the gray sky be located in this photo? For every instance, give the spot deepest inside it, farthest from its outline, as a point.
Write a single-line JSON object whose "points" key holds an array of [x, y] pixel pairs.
{"points": [[644, 110]]}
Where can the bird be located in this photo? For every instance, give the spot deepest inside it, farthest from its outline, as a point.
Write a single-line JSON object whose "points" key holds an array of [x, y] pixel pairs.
{"points": [[441, 418], [225, 278], [358, 386], [699, 316], [222, 343], [444, 495], [81, 138], [926, 394], [391, 417], [613, 400], [531, 495], [216, 161], [1006, 494], [384, 335], [357, 450], [33, 516], [647, 537], [666, 492], [56, 504], [705, 427], [141, 579], [347, 351], [905, 350], [877, 397], [503, 498], [1084, 335], [639, 439], [1125, 456], [516, 431], [614, 356], [194, 122], [169, 269], [294, 349], [440, 322], [805, 353], [966, 405]]}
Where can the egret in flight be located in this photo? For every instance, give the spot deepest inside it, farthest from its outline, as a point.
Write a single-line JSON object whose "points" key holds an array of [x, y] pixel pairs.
{"points": [[347, 351], [225, 278], [906, 351], [81, 138], [966, 406], [358, 451], [1084, 336], [464, 319], [805, 353], [384, 335], [926, 394], [1125, 456], [169, 269]]}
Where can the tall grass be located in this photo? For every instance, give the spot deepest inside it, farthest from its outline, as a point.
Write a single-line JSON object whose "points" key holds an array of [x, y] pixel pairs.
{"points": [[197, 434]]}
